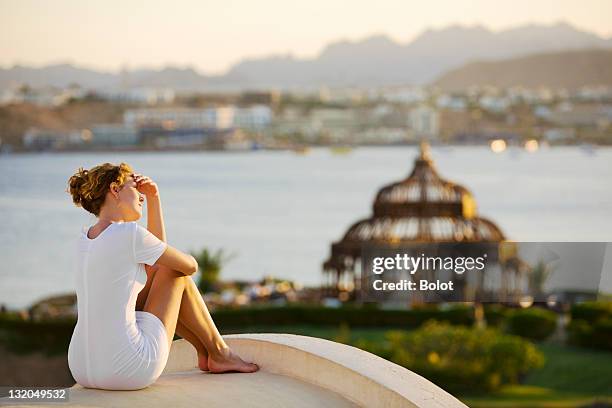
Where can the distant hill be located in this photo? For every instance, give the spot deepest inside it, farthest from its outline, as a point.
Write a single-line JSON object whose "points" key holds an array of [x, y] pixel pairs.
{"points": [[373, 61], [60, 75], [379, 60], [16, 119], [570, 69]]}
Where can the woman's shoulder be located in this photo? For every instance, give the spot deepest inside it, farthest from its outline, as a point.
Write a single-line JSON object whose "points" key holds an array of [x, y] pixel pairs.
{"points": [[115, 232], [129, 226], [134, 228], [124, 228]]}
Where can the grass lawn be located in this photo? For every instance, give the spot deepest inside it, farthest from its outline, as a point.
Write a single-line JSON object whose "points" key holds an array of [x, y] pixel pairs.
{"points": [[571, 377]]}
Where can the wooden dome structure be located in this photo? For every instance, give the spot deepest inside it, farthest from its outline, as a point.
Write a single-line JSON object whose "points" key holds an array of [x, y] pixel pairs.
{"points": [[422, 208]]}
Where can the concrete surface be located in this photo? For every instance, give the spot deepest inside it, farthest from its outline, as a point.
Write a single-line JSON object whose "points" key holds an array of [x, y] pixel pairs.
{"points": [[296, 371]]}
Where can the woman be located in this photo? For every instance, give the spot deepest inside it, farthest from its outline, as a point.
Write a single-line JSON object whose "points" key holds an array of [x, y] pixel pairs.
{"points": [[134, 291]]}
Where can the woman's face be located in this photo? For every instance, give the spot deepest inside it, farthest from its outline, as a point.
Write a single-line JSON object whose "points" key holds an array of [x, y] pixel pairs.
{"points": [[130, 200]]}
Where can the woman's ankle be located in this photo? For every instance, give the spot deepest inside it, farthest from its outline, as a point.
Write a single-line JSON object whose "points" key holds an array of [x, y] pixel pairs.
{"points": [[219, 351]]}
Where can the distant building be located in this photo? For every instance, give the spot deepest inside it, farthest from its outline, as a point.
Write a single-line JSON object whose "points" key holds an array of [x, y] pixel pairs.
{"points": [[199, 138], [254, 118], [404, 95], [45, 96], [486, 136], [177, 118], [113, 135], [542, 111], [496, 104], [337, 124], [382, 135], [292, 121], [452, 102], [424, 121], [581, 115], [268, 98], [342, 95], [594, 93], [532, 96], [559, 134], [149, 96], [45, 139]]}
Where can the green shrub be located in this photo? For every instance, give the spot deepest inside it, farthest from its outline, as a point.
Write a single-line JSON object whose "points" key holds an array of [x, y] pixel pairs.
{"points": [[457, 315], [51, 337], [460, 359], [591, 325], [579, 333], [533, 323], [495, 315], [598, 335], [591, 312], [602, 334], [353, 316]]}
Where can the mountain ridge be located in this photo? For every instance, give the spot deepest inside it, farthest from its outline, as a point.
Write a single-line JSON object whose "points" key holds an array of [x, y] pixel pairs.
{"points": [[376, 60], [568, 69]]}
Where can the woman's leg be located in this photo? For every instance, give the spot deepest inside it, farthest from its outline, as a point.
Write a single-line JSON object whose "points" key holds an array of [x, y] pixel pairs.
{"points": [[181, 329], [164, 298], [188, 335], [195, 318]]}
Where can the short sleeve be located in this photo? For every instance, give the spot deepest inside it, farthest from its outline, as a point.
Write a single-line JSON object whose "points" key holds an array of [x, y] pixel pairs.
{"points": [[147, 247]]}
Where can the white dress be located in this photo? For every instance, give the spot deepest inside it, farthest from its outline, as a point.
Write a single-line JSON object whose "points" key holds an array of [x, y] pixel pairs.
{"points": [[113, 346]]}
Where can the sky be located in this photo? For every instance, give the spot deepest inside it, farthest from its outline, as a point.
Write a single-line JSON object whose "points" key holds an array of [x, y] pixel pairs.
{"points": [[211, 36]]}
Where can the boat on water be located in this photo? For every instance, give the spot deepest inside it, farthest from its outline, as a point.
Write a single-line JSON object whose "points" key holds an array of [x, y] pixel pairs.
{"points": [[340, 150], [531, 145], [588, 148], [301, 149]]}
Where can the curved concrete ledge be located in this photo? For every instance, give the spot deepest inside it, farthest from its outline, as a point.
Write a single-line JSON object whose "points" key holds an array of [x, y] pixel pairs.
{"points": [[358, 376], [296, 371]]}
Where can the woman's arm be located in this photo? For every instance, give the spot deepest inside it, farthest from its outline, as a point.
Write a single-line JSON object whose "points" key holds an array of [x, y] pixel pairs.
{"points": [[155, 218], [172, 257], [178, 261]]}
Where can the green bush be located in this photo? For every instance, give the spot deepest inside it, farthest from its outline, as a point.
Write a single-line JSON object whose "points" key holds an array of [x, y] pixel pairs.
{"points": [[353, 316], [533, 323], [495, 315], [460, 359], [51, 337], [602, 334], [591, 312], [591, 325]]}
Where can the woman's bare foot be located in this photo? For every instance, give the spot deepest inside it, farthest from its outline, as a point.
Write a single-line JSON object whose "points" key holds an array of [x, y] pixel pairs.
{"points": [[229, 361], [203, 361]]}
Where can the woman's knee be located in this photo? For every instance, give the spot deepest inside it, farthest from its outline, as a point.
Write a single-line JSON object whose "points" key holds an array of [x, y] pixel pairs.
{"points": [[170, 272]]}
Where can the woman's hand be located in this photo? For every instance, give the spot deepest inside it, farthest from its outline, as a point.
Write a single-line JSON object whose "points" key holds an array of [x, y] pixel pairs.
{"points": [[155, 218], [145, 185]]}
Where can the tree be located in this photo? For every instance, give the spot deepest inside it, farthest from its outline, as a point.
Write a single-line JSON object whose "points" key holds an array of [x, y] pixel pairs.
{"points": [[538, 275], [210, 264]]}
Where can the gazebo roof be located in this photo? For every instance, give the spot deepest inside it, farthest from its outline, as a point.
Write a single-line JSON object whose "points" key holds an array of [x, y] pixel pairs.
{"points": [[423, 207]]}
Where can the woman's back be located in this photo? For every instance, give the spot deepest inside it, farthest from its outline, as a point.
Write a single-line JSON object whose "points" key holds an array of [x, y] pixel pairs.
{"points": [[113, 345]]}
